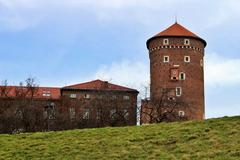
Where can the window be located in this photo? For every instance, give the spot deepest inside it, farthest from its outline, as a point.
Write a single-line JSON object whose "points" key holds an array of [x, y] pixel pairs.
{"points": [[165, 59], [187, 59], [113, 113], [72, 113], [174, 74], [86, 114], [171, 98], [171, 95], [165, 41], [186, 42], [98, 115], [126, 97], [114, 97], [49, 112], [73, 96], [46, 94], [178, 91], [87, 96], [182, 76], [100, 97], [126, 114], [181, 113], [201, 63]]}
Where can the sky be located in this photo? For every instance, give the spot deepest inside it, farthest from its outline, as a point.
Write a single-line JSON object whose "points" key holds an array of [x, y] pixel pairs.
{"points": [[63, 42]]}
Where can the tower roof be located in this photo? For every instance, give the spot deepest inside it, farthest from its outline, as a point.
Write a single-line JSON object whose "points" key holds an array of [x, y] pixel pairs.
{"points": [[177, 30]]}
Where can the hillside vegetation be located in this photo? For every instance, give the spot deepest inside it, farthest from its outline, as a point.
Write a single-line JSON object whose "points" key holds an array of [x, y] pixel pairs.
{"points": [[210, 139]]}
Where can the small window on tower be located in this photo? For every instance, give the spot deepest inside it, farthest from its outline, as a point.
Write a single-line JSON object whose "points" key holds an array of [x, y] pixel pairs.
{"points": [[186, 42], [174, 74], [182, 76], [165, 59], [178, 91], [187, 59], [171, 95], [165, 41], [181, 113]]}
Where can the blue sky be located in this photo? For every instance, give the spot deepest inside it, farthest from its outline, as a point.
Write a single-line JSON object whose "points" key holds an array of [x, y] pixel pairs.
{"points": [[61, 42]]}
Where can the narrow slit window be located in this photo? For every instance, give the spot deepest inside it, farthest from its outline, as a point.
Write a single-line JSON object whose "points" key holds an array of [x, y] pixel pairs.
{"points": [[182, 76], [178, 91], [165, 59], [187, 59]]}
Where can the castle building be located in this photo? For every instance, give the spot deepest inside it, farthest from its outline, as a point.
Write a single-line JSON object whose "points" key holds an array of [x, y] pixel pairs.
{"points": [[85, 105], [176, 63]]}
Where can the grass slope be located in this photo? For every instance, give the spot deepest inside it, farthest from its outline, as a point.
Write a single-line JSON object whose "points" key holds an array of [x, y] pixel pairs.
{"points": [[210, 139]]}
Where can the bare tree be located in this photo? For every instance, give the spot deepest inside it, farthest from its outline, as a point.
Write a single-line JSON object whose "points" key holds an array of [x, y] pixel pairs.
{"points": [[166, 108]]}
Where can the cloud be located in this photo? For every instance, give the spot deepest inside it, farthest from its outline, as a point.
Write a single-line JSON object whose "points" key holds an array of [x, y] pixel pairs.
{"points": [[22, 14], [131, 74], [221, 71]]}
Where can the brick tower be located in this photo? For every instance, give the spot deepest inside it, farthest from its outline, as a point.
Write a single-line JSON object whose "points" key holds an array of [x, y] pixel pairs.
{"points": [[176, 62]]}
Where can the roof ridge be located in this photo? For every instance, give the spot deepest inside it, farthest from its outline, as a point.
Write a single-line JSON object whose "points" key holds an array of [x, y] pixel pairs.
{"points": [[98, 84]]}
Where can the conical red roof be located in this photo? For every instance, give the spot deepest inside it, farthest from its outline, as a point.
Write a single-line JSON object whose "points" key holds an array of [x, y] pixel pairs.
{"points": [[177, 30]]}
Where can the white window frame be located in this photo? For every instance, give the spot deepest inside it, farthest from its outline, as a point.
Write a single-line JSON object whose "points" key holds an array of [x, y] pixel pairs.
{"points": [[46, 94], [87, 96], [113, 113], [166, 61], [180, 76], [98, 115], [180, 89], [73, 95], [181, 113], [126, 114], [126, 97], [114, 97], [187, 42], [165, 41], [86, 114], [72, 112], [185, 59]]}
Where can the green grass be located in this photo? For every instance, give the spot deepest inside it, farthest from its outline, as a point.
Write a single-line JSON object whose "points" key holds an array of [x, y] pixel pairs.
{"points": [[210, 139]]}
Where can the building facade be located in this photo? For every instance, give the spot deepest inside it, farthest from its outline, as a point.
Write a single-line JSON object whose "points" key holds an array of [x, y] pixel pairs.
{"points": [[92, 104], [177, 64]]}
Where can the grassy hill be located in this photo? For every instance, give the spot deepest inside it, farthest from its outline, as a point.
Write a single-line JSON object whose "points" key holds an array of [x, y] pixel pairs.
{"points": [[210, 139]]}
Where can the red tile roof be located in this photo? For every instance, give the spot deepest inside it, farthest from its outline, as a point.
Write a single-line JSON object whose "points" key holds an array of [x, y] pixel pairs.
{"points": [[55, 93], [99, 85], [176, 30], [49, 92]]}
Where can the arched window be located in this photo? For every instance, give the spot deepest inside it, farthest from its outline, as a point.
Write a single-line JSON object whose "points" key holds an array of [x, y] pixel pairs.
{"points": [[186, 42], [165, 41]]}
